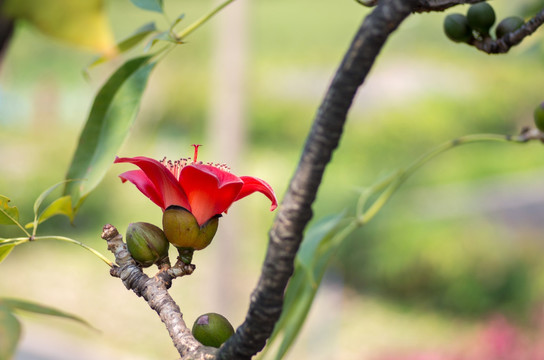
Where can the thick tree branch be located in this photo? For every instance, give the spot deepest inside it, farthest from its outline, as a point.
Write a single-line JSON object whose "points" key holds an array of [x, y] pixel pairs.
{"points": [[155, 292], [441, 5], [295, 211], [426, 5]]}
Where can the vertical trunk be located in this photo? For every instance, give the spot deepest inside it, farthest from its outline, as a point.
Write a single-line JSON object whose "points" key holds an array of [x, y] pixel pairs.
{"points": [[226, 131]]}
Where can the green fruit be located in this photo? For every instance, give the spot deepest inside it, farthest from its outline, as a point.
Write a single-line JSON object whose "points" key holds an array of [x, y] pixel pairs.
{"points": [[456, 28], [539, 117], [212, 329], [509, 24], [146, 243], [183, 231], [481, 17]]}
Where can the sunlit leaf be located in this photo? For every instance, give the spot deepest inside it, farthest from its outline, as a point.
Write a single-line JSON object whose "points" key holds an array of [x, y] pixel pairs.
{"points": [[129, 42], [61, 206], [4, 252], [24, 305], [9, 215], [10, 333], [151, 5], [112, 115], [44, 194], [82, 23]]}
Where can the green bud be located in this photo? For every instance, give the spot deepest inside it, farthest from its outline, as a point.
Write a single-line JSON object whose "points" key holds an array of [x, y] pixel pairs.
{"points": [[456, 28], [509, 24], [481, 17], [539, 117], [183, 231], [146, 243], [212, 329]]}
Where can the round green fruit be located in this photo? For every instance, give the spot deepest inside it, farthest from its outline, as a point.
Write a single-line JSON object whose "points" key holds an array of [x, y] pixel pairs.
{"points": [[146, 243], [212, 329], [509, 24], [539, 117], [456, 28], [481, 17]]}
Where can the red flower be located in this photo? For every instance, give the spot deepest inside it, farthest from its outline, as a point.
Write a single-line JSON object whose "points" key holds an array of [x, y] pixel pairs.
{"points": [[205, 190]]}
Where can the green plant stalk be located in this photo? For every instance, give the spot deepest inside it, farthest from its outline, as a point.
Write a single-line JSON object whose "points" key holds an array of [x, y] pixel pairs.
{"points": [[22, 240], [189, 29], [393, 182]]}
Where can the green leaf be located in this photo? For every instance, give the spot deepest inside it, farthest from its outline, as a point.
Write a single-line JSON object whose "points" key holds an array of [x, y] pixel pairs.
{"points": [[151, 5], [9, 215], [128, 43], [44, 194], [310, 264], [177, 21], [112, 115], [24, 305], [10, 333], [61, 206], [4, 252], [315, 238], [83, 23]]}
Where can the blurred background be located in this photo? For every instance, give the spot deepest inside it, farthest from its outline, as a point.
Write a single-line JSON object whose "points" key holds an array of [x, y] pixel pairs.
{"points": [[449, 266]]}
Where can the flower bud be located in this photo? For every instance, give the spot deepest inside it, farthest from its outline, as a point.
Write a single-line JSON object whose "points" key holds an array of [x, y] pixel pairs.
{"points": [[183, 231], [146, 243], [212, 329]]}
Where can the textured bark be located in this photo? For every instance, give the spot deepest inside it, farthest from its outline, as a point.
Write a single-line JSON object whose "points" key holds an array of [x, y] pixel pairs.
{"points": [[155, 292], [295, 212]]}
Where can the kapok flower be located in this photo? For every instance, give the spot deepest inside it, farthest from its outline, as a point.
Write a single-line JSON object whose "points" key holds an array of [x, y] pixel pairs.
{"points": [[204, 190]]}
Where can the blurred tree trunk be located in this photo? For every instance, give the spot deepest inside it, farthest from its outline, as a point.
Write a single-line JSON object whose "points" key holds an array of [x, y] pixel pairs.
{"points": [[6, 32], [226, 132]]}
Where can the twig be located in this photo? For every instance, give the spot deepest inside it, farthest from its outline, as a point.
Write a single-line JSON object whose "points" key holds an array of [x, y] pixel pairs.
{"points": [[503, 45], [155, 292]]}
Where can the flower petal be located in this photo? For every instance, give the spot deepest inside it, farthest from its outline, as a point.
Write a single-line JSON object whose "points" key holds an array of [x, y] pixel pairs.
{"points": [[210, 190], [252, 184], [142, 182], [162, 179]]}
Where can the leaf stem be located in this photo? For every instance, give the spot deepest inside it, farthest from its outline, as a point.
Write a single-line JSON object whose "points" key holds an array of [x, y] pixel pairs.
{"points": [[22, 240], [393, 182], [189, 29]]}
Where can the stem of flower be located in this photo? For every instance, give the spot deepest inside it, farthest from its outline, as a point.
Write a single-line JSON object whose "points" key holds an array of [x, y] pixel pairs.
{"points": [[185, 254]]}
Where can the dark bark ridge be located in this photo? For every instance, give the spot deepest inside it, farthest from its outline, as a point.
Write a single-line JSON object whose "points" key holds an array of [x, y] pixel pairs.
{"points": [[295, 211]]}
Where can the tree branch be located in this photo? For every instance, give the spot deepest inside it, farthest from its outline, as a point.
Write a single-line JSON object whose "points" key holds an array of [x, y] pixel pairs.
{"points": [[155, 292], [295, 211], [427, 5], [503, 45], [441, 5]]}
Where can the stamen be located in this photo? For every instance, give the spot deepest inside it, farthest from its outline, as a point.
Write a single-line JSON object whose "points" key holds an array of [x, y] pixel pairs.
{"points": [[175, 166], [196, 146]]}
